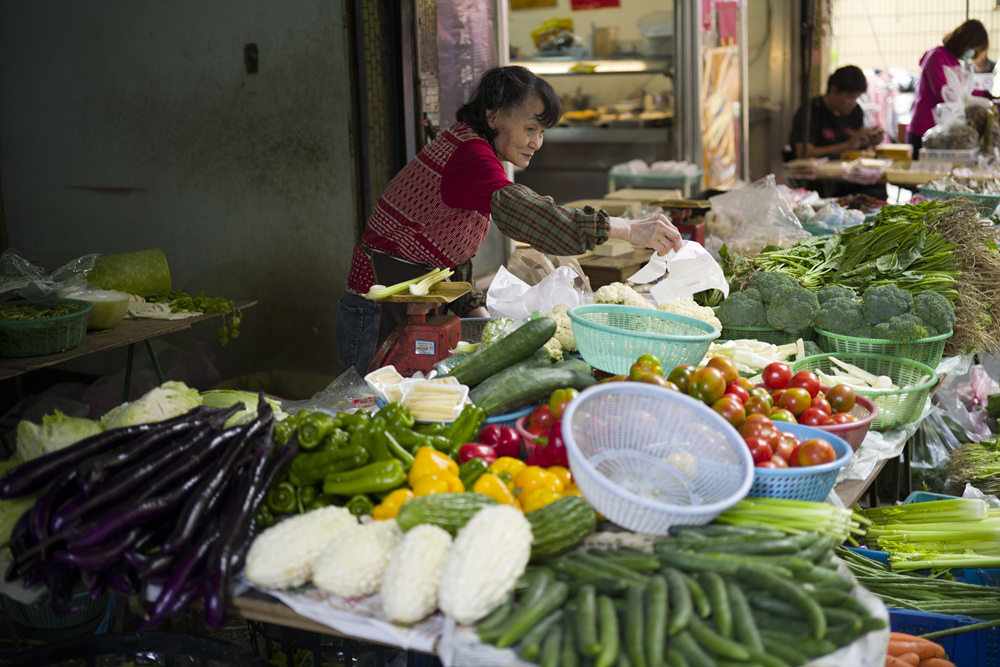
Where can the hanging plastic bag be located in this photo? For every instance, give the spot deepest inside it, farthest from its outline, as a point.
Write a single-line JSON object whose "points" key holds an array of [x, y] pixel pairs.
{"points": [[750, 218], [22, 279], [509, 296], [951, 129]]}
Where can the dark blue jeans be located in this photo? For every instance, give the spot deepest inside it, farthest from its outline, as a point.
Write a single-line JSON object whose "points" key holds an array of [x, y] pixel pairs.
{"points": [[357, 332]]}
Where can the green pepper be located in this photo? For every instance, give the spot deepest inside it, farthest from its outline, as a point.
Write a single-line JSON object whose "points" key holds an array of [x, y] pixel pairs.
{"points": [[360, 505], [470, 471], [265, 518], [283, 431], [465, 428], [431, 428], [371, 478], [396, 413], [314, 427], [311, 467], [336, 439], [376, 442], [281, 498], [352, 421], [305, 495], [413, 440], [319, 501], [398, 450]]}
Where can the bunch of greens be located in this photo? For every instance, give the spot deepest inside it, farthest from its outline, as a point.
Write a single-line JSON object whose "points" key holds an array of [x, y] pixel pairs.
{"points": [[38, 311], [978, 464], [181, 302]]}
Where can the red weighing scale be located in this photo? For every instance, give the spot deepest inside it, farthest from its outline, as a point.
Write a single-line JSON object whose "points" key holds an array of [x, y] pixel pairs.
{"points": [[422, 341]]}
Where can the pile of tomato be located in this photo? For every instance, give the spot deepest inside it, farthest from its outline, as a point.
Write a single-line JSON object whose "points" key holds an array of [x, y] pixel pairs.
{"points": [[753, 409]]}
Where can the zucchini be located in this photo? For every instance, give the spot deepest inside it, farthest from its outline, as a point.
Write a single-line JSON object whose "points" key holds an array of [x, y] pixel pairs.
{"points": [[559, 525], [538, 359], [450, 511], [510, 349], [530, 387]]}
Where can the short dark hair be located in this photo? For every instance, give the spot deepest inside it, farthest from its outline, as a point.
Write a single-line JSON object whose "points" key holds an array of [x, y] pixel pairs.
{"points": [[503, 88], [848, 79], [970, 35]]}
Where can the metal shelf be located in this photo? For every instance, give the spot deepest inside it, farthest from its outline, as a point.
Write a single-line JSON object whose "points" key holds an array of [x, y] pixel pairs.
{"points": [[561, 65], [607, 135]]}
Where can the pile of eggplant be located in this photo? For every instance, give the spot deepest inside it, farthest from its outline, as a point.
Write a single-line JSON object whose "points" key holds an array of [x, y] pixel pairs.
{"points": [[161, 511]]}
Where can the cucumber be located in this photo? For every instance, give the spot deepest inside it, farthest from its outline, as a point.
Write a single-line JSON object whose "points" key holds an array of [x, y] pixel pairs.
{"points": [[713, 642], [656, 619], [635, 625], [681, 605], [791, 592], [721, 611], [510, 349], [488, 628], [744, 627], [450, 511], [610, 568], [560, 525], [529, 387], [538, 359], [532, 643], [587, 640], [698, 595], [568, 656], [552, 646], [607, 621], [526, 616]]}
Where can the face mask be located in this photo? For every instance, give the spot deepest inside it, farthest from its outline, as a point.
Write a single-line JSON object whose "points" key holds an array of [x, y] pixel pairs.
{"points": [[968, 54]]}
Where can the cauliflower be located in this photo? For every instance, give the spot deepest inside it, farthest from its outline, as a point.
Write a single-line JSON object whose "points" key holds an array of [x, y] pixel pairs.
{"points": [[410, 586], [621, 293], [692, 309], [283, 555], [564, 327], [352, 566], [479, 574], [555, 349]]}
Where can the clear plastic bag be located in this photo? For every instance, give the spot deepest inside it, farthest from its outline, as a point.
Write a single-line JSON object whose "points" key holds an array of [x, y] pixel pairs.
{"points": [[22, 279], [750, 218], [931, 445], [952, 130]]}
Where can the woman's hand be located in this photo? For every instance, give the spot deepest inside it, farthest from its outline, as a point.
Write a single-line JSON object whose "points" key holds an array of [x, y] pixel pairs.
{"points": [[656, 232]]}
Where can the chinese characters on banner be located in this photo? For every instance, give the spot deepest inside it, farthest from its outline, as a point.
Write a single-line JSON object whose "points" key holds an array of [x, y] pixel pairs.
{"points": [[466, 49], [593, 4]]}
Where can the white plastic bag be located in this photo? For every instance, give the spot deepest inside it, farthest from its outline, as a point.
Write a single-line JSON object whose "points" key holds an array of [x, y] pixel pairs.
{"points": [[752, 217], [509, 296], [951, 130]]}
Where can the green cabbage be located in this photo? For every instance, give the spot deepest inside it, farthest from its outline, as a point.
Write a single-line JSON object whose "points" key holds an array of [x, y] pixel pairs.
{"points": [[170, 399], [225, 398], [496, 329], [55, 432], [11, 510]]}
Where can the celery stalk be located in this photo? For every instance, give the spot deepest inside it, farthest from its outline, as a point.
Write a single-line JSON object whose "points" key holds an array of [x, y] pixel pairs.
{"points": [[379, 292]]}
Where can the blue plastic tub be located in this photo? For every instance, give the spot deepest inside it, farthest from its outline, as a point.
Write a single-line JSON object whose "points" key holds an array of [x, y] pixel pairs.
{"points": [[980, 648]]}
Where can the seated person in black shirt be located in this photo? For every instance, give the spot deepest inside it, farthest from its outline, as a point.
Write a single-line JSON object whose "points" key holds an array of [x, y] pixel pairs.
{"points": [[836, 124]]}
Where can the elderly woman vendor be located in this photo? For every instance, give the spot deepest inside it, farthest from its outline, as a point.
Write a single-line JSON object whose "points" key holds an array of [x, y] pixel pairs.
{"points": [[436, 211]]}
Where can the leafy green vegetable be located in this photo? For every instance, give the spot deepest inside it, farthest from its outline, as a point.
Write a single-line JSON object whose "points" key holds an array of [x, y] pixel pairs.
{"points": [[168, 400], [55, 432], [182, 302], [225, 398], [11, 510], [496, 329], [38, 311]]}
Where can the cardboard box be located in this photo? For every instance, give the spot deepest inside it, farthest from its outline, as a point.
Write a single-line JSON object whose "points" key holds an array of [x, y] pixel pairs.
{"points": [[615, 207], [642, 195]]}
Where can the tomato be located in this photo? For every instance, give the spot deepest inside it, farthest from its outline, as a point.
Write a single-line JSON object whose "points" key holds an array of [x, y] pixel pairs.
{"points": [[540, 416], [761, 428], [731, 410], [779, 461], [744, 382], [657, 379], [776, 375], [755, 405], [760, 450], [681, 375], [795, 400], [767, 464], [813, 417], [559, 399], [776, 396], [707, 385], [762, 392], [640, 368], [840, 418], [841, 398], [816, 451], [757, 418], [793, 459], [784, 449], [807, 380], [737, 390], [783, 415], [652, 360], [615, 378], [819, 401], [728, 368]]}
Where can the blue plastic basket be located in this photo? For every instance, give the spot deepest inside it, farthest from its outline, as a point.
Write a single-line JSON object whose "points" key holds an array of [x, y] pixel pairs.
{"points": [[980, 648], [611, 337], [980, 576], [509, 419], [802, 483]]}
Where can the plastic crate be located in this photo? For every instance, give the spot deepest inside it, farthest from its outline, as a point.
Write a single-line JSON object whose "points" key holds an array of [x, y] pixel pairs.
{"points": [[980, 576], [29, 338], [802, 483], [925, 350], [896, 406], [472, 328], [987, 204], [686, 183], [980, 648]]}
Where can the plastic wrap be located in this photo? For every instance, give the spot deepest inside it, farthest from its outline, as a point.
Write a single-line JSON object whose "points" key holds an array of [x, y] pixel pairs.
{"points": [[750, 218]]}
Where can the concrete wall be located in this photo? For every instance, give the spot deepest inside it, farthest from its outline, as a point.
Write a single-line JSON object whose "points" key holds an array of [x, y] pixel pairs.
{"points": [[128, 125]]}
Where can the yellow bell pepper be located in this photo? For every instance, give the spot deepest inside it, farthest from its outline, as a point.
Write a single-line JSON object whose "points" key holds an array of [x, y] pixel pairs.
{"points": [[490, 485], [429, 461], [538, 499], [389, 507], [562, 473], [442, 482], [535, 477], [507, 464]]}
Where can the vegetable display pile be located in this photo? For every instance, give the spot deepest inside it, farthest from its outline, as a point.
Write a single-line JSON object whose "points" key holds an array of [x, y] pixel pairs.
{"points": [[942, 247], [10, 312], [167, 504], [181, 302]]}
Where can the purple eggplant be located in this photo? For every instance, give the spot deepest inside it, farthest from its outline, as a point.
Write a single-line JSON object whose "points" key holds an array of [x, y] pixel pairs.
{"points": [[95, 582], [122, 579], [189, 563], [40, 513], [102, 557]]}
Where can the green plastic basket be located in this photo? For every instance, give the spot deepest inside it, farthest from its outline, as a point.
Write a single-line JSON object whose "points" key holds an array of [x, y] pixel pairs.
{"points": [[40, 614], [611, 337], [48, 335], [925, 350], [896, 406], [766, 334]]}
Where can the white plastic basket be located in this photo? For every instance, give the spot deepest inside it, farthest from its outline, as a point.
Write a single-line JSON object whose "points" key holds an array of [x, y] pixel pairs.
{"points": [[647, 457]]}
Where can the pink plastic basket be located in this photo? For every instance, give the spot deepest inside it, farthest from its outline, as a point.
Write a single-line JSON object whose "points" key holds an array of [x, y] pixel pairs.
{"points": [[854, 432]]}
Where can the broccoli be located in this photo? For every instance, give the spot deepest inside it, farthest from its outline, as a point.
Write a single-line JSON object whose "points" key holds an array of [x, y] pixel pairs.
{"points": [[791, 308], [936, 312], [831, 292], [766, 282], [840, 316], [811, 348], [882, 302], [743, 309], [901, 327]]}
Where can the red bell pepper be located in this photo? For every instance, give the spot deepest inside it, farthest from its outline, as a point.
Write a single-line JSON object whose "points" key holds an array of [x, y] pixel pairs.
{"points": [[476, 450], [504, 439], [554, 450]]}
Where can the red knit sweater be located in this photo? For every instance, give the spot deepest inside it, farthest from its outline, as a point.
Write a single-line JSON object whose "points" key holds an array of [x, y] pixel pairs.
{"points": [[436, 210]]}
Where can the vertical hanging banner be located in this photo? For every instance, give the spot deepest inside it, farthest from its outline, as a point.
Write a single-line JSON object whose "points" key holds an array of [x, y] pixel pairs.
{"points": [[593, 4], [466, 49]]}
